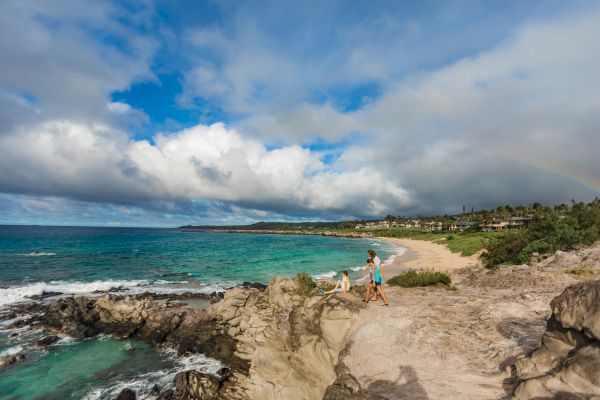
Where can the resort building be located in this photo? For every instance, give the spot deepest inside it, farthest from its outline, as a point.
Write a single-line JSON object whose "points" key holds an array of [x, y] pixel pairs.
{"points": [[461, 226], [433, 226], [513, 223]]}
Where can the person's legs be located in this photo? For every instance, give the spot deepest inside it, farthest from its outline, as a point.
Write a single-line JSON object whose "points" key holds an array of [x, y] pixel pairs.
{"points": [[337, 286], [380, 290], [366, 300]]}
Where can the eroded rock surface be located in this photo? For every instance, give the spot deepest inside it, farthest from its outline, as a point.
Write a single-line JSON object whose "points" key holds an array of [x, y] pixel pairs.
{"points": [[567, 363], [291, 342]]}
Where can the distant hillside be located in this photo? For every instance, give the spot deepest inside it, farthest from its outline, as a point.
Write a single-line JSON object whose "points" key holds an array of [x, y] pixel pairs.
{"points": [[276, 226]]}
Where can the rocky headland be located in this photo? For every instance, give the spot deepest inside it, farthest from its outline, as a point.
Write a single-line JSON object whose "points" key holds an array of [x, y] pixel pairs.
{"points": [[528, 332]]}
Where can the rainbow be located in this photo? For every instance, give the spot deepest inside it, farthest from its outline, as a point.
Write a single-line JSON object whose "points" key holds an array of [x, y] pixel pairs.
{"points": [[590, 183]]}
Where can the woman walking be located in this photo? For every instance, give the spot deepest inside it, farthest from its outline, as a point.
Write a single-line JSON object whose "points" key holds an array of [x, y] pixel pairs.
{"points": [[376, 283]]}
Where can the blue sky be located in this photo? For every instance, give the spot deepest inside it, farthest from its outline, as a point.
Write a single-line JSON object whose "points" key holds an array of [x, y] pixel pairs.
{"points": [[159, 113]]}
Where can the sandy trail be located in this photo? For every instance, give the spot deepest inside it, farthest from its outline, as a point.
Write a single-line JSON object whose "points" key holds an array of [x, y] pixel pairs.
{"points": [[440, 344]]}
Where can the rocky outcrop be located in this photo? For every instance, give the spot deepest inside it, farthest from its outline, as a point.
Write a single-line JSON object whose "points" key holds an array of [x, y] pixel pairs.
{"points": [[567, 364], [186, 329], [290, 341]]}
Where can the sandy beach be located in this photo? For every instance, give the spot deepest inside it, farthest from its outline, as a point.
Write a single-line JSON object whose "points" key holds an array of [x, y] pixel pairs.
{"points": [[422, 254]]}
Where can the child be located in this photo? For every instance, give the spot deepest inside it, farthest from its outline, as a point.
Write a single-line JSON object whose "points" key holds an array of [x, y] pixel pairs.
{"points": [[377, 277], [340, 286]]}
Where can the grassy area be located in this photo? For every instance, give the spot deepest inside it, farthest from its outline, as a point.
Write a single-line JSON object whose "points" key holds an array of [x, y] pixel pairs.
{"points": [[582, 270], [465, 243], [417, 279]]}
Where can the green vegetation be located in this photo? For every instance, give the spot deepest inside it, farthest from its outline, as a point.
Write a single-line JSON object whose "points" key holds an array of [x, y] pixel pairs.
{"points": [[305, 283], [417, 279], [581, 270], [560, 229]]}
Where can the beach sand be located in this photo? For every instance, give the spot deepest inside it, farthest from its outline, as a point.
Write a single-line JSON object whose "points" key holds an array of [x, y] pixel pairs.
{"points": [[421, 255]]}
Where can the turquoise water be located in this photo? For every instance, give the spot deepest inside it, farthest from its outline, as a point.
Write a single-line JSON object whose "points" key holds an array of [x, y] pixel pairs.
{"points": [[94, 369], [81, 260], [74, 261]]}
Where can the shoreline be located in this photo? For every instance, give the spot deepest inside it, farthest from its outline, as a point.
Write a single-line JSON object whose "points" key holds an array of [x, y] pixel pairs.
{"points": [[424, 255]]}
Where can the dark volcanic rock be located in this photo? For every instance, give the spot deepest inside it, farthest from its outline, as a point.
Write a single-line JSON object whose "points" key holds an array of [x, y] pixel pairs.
{"points": [[12, 359], [45, 295], [47, 341], [168, 394], [126, 394], [253, 285]]}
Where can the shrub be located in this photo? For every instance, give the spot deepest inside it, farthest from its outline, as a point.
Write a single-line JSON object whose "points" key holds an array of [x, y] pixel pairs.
{"points": [[423, 278], [581, 269], [556, 230], [305, 283]]}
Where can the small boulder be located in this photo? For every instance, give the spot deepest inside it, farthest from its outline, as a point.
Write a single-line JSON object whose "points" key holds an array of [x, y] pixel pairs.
{"points": [[46, 341], [126, 394]]}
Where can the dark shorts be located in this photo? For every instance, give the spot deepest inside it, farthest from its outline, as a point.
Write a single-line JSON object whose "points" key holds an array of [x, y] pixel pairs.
{"points": [[377, 283]]}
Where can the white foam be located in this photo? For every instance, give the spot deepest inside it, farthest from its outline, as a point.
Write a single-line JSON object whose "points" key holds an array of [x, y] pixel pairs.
{"points": [[17, 294], [22, 293], [325, 275], [11, 351], [38, 254], [143, 383]]}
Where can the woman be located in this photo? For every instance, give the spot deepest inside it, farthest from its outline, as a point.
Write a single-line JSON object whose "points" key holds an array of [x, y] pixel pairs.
{"points": [[340, 286], [378, 263], [376, 282]]}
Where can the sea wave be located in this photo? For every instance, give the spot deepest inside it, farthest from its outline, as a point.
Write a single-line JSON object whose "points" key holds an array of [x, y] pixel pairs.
{"points": [[325, 275], [143, 383], [39, 254], [22, 293], [11, 351]]}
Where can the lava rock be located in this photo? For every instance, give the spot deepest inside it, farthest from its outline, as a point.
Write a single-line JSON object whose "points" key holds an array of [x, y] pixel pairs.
{"points": [[126, 394], [12, 359]]}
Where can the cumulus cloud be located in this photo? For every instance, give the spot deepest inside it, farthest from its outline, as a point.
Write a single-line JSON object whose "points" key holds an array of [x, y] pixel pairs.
{"points": [[62, 158]]}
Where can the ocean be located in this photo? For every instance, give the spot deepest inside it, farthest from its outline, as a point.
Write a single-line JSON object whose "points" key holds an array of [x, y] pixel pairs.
{"points": [[80, 261]]}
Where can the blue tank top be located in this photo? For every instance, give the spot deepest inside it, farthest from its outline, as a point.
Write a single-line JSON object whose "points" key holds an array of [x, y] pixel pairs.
{"points": [[377, 274]]}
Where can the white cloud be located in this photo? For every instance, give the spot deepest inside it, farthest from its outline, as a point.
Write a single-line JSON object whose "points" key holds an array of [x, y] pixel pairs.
{"points": [[203, 162]]}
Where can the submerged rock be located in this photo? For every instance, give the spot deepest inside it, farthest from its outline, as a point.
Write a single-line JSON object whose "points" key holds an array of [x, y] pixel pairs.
{"points": [[568, 361], [12, 359]]}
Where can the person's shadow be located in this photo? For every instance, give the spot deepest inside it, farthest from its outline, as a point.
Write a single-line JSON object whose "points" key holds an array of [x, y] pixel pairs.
{"points": [[405, 386]]}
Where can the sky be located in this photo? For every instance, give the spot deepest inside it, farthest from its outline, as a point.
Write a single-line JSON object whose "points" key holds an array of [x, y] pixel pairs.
{"points": [[167, 113]]}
